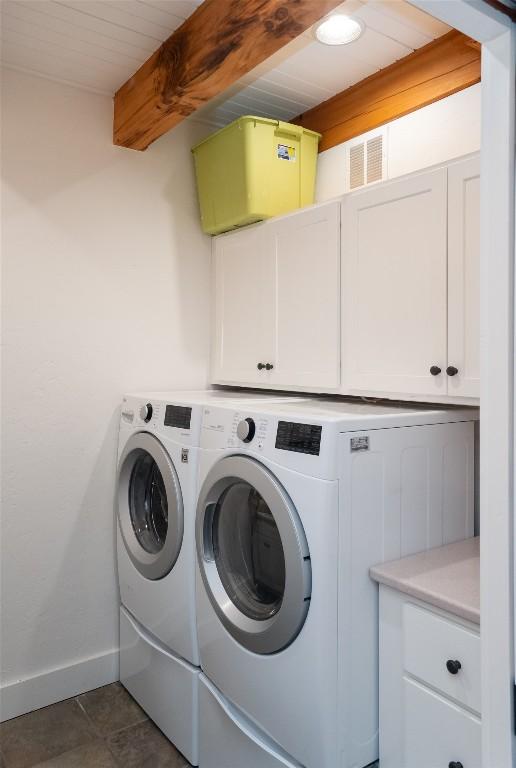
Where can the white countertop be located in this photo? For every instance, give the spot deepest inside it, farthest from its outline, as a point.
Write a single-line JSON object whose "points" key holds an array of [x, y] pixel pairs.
{"points": [[447, 577]]}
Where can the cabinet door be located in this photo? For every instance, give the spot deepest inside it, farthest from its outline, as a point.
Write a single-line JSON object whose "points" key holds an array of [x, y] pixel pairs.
{"points": [[307, 299], [464, 277], [437, 732], [243, 291], [394, 241]]}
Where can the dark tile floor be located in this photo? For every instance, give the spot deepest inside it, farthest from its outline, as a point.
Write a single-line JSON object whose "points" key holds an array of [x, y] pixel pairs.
{"points": [[104, 728]]}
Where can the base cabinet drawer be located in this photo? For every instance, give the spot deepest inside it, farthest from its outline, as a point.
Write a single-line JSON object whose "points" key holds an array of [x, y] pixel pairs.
{"points": [[443, 654], [437, 733], [429, 717]]}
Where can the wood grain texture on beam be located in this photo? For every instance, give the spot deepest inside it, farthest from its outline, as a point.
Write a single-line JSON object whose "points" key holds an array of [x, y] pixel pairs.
{"points": [[218, 44], [439, 69]]}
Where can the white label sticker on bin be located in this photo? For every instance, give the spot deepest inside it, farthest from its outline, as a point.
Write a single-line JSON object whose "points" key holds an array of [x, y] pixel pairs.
{"points": [[286, 153]]}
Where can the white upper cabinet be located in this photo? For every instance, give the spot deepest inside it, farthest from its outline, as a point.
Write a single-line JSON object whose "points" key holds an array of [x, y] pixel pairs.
{"points": [[375, 295], [464, 278], [410, 286], [276, 302], [307, 295], [243, 305], [394, 287]]}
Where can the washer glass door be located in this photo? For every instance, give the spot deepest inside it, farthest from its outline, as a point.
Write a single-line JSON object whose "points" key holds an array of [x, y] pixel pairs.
{"points": [[248, 551], [150, 506], [252, 549]]}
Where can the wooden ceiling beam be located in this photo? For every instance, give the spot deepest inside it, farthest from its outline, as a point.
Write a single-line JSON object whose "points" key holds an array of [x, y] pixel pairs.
{"points": [[439, 69], [218, 44]]}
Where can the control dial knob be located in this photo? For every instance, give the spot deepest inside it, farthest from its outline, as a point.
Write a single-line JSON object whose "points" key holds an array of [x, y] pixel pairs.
{"points": [[146, 413], [246, 429]]}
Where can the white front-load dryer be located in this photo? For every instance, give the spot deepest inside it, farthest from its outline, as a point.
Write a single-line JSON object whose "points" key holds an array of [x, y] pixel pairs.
{"points": [[296, 502], [156, 502]]}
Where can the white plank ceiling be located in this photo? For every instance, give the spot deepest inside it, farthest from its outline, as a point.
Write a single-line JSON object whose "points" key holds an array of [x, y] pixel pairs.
{"points": [[99, 44], [305, 72], [96, 44]]}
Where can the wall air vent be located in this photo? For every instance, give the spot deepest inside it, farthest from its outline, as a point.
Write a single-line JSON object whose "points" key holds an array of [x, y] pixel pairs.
{"points": [[356, 166], [375, 159], [367, 160]]}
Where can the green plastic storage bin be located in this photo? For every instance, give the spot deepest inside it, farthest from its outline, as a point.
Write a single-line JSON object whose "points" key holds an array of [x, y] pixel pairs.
{"points": [[253, 169]]}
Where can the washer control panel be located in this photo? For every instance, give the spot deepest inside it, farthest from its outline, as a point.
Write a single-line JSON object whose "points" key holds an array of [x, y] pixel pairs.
{"points": [[299, 438], [247, 430]]}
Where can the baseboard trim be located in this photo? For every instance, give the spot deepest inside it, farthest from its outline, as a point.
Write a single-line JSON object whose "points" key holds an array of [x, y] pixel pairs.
{"points": [[24, 696]]}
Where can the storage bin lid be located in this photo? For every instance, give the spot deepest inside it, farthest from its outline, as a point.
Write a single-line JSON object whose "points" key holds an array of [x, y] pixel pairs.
{"points": [[296, 130]]}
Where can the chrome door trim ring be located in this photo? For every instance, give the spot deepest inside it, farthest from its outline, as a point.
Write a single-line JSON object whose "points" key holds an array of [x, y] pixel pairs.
{"points": [[151, 566], [273, 634]]}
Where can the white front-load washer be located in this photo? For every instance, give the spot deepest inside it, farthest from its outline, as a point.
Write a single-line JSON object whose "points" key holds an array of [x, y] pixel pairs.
{"points": [[296, 502], [156, 501]]}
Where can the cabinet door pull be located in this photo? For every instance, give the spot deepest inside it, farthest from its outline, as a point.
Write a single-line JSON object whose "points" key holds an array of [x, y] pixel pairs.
{"points": [[261, 366], [435, 370], [269, 367], [452, 371], [453, 666], [455, 764]]}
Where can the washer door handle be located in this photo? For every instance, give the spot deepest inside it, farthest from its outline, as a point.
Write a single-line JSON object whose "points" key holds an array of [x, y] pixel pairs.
{"points": [[207, 545]]}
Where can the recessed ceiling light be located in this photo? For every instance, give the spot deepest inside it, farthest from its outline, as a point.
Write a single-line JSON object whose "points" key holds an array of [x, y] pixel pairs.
{"points": [[338, 29]]}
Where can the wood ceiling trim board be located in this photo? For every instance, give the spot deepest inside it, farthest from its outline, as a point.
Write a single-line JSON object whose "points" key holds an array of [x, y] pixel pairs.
{"points": [[437, 70], [218, 44]]}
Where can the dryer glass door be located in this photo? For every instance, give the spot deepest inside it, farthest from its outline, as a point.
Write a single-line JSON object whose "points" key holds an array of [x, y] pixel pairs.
{"points": [[150, 506], [252, 549]]}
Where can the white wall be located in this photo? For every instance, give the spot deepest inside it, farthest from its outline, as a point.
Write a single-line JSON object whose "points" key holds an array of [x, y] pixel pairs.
{"points": [[442, 131], [105, 290]]}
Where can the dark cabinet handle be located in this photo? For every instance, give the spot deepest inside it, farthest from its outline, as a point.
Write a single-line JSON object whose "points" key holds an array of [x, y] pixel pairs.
{"points": [[269, 367], [453, 666], [260, 366], [435, 370], [452, 371], [455, 764]]}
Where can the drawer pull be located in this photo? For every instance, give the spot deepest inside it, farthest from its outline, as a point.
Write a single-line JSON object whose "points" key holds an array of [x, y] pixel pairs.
{"points": [[453, 666], [269, 366], [455, 764], [260, 366]]}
